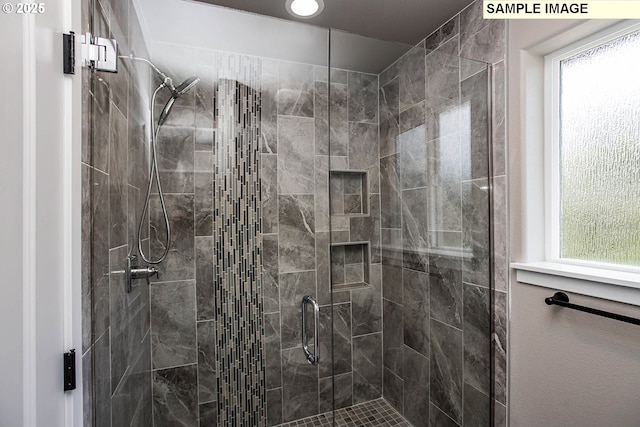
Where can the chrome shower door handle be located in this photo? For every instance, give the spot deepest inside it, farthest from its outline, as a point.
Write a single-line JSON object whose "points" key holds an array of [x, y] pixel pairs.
{"points": [[313, 358]]}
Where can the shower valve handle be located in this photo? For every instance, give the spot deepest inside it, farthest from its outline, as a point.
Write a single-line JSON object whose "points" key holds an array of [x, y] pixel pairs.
{"points": [[144, 273]]}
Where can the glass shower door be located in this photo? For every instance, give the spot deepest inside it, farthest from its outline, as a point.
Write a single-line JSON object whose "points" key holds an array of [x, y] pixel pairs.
{"points": [[410, 241], [215, 338], [115, 155]]}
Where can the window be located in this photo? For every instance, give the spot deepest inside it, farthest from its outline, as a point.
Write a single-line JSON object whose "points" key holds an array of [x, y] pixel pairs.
{"points": [[592, 159], [575, 123]]}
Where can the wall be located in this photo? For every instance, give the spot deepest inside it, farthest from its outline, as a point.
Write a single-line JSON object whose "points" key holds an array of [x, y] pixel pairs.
{"points": [[206, 325], [433, 162], [567, 368], [570, 368], [294, 181], [116, 340]]}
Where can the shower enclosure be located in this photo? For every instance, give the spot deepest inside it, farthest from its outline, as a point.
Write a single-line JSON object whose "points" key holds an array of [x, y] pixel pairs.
{"points": [[310, 173]]}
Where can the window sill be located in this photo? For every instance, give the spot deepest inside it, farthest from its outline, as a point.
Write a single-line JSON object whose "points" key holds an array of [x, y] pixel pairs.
{"points": [[613, 285]]}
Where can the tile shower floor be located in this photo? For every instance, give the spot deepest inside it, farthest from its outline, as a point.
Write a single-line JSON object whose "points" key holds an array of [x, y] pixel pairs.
{"points": [[374, 413]]}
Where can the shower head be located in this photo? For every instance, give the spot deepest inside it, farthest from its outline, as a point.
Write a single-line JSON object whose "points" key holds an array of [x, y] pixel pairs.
{"points": [[177, 92], [186, 86]]}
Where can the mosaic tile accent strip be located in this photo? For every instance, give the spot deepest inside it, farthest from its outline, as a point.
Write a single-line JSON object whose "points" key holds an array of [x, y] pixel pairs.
{"points": [[373, 413], [236, 238]]}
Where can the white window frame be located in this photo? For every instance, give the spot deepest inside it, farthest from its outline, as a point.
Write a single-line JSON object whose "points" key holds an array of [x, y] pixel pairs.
{"points": [[552, 143], [540, 263]]}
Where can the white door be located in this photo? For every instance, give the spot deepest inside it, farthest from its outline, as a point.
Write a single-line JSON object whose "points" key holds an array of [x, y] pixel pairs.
{"points": [[40, 237]]}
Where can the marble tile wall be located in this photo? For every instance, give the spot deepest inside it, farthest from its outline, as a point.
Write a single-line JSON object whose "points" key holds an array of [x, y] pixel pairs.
{"points": [[438, 334], [116, 344], [206, 311], [296, 236]]}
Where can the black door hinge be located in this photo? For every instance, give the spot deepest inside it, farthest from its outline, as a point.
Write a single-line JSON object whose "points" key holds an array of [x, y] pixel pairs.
{"points": [[70, 370], [69, 53]]}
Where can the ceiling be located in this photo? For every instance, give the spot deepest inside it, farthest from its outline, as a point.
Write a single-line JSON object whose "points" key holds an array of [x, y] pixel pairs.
{"points": [[404, 21], [366, 36]]}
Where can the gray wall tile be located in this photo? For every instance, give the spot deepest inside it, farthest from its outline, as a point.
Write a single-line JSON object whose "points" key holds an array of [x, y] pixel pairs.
{"points": [[269, 188], [297, 233], [412, 117], [392, 338], [367, 367], [299, 386], [412, 86], [475, 141], [118, 172], [416, 311], [203, 203], [336, 359], [393, 390], [179, 264], [477, 407], [274, 407], [204, 278], [295, 89], [366, 306], [293, 287], [445, 280], [413, 158], [321, 118], [343, 394], [448, 30], [272, 341], [363, 97], [208, 414], [416, 387], [269, 113], [446, 369], [102, 381], [437, 418], [207, 375], [389, 104], [270, 280], [500, 346], [173, 327], [175, 400], [477, 338], [475, 227], [296, 156], [339, 126]]}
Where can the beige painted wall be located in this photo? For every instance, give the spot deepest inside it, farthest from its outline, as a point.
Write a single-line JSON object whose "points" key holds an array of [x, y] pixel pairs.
{"points": [[567, 368], [570, 368]]}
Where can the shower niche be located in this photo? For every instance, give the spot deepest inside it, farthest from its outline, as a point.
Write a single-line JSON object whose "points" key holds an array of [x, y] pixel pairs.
{"points": [[350, 265], [350, 261], [349, 193]]}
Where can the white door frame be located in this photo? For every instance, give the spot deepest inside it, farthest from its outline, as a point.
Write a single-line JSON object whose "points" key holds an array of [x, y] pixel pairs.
{"points": [[42, 250]]}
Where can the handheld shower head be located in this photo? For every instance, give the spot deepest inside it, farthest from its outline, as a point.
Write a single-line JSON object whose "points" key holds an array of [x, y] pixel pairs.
{"points": [[186, 86], [177, 92]]}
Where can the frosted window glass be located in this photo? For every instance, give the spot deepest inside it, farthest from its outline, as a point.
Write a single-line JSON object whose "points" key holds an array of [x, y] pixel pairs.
{"points": [[600, 153]]}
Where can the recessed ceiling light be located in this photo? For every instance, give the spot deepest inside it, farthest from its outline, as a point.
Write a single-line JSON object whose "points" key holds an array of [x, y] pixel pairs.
{"points": [[304, 8]]}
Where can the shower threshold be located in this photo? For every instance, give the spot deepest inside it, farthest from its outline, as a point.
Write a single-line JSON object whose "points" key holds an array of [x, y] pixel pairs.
{"points": [[378, 413]]}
